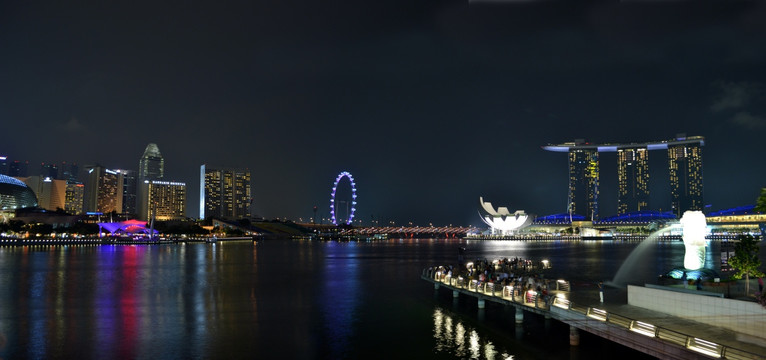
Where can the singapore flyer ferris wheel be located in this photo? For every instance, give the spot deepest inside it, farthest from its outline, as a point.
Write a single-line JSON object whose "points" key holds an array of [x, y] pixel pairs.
{"points": [[334, 201]]}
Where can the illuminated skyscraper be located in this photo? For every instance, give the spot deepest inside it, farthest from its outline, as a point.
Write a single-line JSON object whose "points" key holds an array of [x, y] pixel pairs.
{"points": [[685, 163], [103, 190], [583, 182], [151, 166], [74, 198], [225, 193], [129, 191], [166, 199], [632, 180]]}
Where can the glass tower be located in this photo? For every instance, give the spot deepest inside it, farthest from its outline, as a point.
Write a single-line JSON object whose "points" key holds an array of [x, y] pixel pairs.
{"points": [[129, 192], [633, 180], [685, 163], [150, 167], [152, 164], [583, 182]]}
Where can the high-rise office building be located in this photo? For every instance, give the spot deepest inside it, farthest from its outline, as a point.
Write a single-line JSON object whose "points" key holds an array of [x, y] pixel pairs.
{"points": [[68, 172], [18, 168], [685, 163], [49, 170], [583, 182], [632, 180], [3, 165], [166, 199], [103, 190], [74, 198], [225, 193], [151, 166], [129, 192]]}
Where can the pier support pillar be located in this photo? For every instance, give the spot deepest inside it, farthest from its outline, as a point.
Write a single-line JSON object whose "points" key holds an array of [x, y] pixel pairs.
{"points": [[481, 303], [455, 293], [519, 315], [436, 286], [574, 336]]}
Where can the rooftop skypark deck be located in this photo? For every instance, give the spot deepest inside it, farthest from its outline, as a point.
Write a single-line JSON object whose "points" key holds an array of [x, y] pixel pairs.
{"points": [[613, 147]]}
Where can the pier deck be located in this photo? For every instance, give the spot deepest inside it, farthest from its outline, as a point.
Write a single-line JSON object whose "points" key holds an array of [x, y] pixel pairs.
{"points": [[651, 332]]}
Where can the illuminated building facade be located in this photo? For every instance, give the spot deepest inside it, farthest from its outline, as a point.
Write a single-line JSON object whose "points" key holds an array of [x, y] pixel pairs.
{"points": [[502, 221], [583, 182], [14, 194], [74, 198], [225, 193], [151, 166], [51, 193], [166, 199], [685, 162], [632, 180], [103, 190]]}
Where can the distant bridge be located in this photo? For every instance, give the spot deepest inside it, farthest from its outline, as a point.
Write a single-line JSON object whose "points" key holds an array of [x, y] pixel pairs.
{"points": [[410, 231]]}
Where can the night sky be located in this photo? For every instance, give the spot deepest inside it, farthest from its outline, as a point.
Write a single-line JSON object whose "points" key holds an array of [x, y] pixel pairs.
{"points": [[429, 104]]}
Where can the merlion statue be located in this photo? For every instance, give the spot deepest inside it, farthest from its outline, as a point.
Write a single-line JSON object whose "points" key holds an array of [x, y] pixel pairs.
{"points": [[694, 230]]}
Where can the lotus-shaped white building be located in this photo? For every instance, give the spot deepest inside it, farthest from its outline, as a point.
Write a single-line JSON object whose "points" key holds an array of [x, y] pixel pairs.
{"points": [[501, 220]]}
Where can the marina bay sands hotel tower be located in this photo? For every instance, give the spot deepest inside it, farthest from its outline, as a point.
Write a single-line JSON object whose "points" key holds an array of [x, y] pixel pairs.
{"points": [[684, 164]]}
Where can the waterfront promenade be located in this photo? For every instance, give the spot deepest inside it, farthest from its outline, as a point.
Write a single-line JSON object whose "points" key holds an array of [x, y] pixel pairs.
{"points": [[654, 333], [7, 241]]}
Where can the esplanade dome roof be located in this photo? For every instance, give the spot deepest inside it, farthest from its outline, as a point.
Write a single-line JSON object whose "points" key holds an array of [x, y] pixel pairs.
{"points": [[14, 194]]}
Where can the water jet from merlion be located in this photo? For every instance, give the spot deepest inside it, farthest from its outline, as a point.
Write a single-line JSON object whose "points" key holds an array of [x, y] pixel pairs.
{"points": [[694, 229]]}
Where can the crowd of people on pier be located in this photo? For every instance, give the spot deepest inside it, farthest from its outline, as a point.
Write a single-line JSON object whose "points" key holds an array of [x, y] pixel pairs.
{"points": [[522, 275]]}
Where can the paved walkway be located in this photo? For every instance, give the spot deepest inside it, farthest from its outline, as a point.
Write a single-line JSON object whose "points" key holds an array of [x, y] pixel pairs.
{"points": [[616, 302]]}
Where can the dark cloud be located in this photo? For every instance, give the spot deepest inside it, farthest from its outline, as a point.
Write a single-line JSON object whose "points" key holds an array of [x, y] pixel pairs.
{"points": [[735, 95], [749, 121], [73, 124]]}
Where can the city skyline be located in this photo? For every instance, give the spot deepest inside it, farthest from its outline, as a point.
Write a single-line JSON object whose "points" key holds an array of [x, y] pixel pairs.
{"points": [[429, 105]]}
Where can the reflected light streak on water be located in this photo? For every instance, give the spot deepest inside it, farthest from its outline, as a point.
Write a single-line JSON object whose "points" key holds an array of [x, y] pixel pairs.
{"points": [[340, 295], [461, 340]]}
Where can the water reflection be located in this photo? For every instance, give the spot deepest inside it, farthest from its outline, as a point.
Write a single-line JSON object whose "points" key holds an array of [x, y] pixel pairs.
{"points": [[340, 297], [454, 337], [279, 299]]}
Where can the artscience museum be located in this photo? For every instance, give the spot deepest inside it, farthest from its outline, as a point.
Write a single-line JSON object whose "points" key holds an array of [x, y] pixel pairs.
{"points": [[502, 221]]}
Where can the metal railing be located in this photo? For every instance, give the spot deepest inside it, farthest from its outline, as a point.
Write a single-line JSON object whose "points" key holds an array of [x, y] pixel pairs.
{"points": [[510, 293], [690, 342]]}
